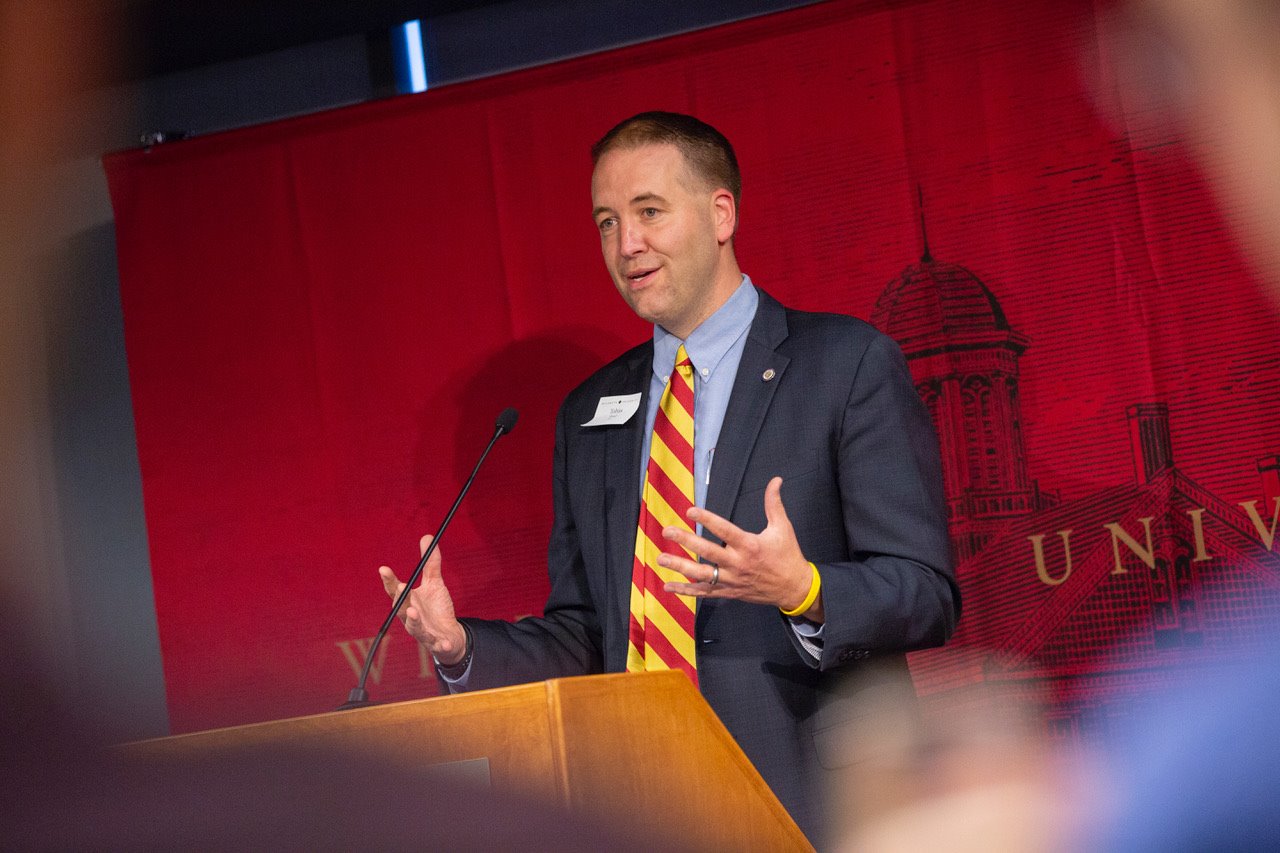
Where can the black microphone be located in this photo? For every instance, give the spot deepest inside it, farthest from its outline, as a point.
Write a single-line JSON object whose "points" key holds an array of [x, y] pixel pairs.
{"points": [[506, 421], [359, 697]]}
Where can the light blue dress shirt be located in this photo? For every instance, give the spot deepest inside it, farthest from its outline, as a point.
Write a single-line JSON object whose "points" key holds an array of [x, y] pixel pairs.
{"points": [[715, 348]]}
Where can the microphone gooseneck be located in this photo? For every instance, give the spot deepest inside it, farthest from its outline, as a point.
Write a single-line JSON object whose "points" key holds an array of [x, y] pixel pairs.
{"points": [[359, 697]]}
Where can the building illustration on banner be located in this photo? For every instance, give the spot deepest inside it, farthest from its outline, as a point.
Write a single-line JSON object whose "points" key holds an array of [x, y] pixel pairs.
{"points": [[1091, 601]]}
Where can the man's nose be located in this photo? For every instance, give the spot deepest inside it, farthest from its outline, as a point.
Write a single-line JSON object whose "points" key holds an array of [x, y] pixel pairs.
{"points": [[632, 239]]}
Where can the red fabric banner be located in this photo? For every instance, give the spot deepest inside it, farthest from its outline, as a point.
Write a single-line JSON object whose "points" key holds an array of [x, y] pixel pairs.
{"points": [[324, 316]]}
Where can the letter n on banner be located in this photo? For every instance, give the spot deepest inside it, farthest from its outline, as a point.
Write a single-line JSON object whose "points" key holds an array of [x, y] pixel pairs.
{"points": [[1118, 535]]}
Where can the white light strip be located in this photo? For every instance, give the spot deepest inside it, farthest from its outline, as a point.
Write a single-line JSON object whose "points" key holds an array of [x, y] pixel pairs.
{"points": [[417, 58]]}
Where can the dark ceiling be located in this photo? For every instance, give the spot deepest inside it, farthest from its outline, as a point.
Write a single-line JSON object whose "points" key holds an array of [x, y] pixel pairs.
{"points": [[176, 35]]}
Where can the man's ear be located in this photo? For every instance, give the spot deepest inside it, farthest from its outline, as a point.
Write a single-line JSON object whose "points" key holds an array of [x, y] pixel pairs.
{"points": [[725, 211]]}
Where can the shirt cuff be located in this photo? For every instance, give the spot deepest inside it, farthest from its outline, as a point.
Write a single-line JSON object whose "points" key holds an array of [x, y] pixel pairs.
{"points": [[460, 681], [809, 634], [457, 679]]}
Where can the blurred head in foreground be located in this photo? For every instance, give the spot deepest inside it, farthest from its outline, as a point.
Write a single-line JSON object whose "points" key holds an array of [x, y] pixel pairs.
{"points": [[973, 775]]}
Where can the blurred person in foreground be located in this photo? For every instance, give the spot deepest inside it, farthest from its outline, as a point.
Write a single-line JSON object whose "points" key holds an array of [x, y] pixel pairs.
{"points": [[974, 774], [1200, 769], [61, 788]]}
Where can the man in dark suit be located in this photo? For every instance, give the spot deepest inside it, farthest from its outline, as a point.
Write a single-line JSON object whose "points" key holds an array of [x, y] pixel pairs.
{"points": [[819, 408]]}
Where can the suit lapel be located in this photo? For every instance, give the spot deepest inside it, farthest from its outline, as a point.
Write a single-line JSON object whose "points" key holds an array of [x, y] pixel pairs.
{"points": [[748, 403]]}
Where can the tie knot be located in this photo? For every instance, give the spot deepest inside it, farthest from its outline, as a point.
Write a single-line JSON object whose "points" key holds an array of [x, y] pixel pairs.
{"points": [[683, 364]]}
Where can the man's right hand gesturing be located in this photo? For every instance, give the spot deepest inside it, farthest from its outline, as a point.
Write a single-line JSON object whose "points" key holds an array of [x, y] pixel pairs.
{"points": [[427, 613]]}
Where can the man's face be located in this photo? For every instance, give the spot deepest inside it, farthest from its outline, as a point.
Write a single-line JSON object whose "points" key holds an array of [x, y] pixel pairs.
{"points": [[663, 233]]}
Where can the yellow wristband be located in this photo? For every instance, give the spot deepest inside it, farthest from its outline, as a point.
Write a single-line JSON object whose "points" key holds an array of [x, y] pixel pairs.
{"points": [[815, 586]]}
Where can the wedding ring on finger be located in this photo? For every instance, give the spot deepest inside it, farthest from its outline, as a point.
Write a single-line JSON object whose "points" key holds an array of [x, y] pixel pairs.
{"points": [[715, 576]]}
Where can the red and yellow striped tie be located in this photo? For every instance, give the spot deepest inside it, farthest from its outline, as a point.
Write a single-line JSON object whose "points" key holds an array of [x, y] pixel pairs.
{"points": [[661, 635]]}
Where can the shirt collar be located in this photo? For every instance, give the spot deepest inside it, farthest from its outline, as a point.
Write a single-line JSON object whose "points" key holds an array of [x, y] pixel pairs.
{"points": [[708, 344]]}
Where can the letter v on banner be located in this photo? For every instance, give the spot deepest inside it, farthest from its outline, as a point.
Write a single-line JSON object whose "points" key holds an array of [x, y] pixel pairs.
{"points": [[1268, 537], [355, 657]]}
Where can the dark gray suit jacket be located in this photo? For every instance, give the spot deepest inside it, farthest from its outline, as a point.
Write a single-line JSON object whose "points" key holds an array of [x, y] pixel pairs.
{"points": [[840, 421]]}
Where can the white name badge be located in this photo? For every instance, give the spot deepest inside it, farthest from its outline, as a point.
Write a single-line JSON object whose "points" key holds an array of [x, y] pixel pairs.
{"points": [[612, 411]]}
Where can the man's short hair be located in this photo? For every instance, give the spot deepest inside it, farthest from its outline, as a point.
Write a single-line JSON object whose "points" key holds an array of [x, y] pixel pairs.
{"points": [[705, 149]]}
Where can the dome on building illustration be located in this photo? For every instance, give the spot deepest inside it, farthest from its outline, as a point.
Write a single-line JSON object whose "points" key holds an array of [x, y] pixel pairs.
{"points": [[963, 354], [935, 304]]}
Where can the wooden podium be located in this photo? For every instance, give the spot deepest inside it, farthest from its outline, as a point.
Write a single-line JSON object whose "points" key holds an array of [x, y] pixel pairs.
{"points": [[596, 745]]}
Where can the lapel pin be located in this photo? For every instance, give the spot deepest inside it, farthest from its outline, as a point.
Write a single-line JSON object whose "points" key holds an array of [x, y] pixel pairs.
{"points": [[768, 374]]}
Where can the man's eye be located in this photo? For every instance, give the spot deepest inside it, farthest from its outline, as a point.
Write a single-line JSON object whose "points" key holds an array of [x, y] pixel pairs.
{"points": [[606, 223], [649, 212]]}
